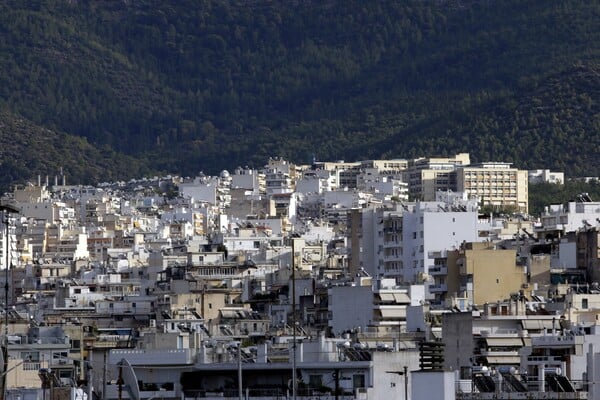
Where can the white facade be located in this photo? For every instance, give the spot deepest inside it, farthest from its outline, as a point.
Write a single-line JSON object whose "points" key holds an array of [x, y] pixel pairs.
{"points": [[545, 175], [350, 307], [428, 230], [437, 385], [569, 218], [248, 179]]}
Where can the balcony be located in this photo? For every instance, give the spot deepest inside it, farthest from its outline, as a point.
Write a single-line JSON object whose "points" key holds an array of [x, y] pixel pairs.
{"points": [[438, 288], [500, 353], [438, 270], [556, 341], [393, 257]]}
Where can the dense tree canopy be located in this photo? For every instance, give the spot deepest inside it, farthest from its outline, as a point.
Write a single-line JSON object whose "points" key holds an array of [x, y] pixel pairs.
{"points": [[205, 85]]}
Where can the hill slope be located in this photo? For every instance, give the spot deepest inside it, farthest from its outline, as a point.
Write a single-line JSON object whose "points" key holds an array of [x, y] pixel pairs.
{"points": [[210, 84]]}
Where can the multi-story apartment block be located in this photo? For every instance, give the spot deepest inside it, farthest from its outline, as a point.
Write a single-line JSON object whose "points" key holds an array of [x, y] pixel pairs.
{"points": [[545, 175], [249, 179], [405, 242], [494, 184], [345, 173], [427, 176], [588, 253], [479, 272], [558, 219], [394, 166]]}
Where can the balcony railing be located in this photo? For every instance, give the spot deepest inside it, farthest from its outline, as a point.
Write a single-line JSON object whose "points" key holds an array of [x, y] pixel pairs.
{"points": [[441, 287], [438, 270]]}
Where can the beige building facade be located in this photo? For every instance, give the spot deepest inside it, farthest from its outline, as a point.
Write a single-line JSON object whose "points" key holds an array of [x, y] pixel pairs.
{"points": [[485, 274], [495, 184]]}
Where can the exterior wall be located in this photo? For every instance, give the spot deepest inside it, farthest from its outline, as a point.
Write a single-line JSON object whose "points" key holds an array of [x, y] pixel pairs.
{"points": [[458, 340], [545, 175], [200, 192], [387, 381], [495, 184], [567, 255], [309, 185], [428, 175], [370, 243], [355, 217], [495, 274], [593, 372], [437, 385], [539, 268], [588, 253], [24, 374], [350, 307], [426, 232]]}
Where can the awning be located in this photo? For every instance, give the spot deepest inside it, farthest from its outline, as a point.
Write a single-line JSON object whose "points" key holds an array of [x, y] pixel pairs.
{"points": [[393, 313], [503, 360], [401, 298], [538, 324], [234, 314], [387, 297], [502, 342]]}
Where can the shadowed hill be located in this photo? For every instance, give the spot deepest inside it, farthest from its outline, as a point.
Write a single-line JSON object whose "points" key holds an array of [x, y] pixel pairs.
{"points": [[205, 85]]}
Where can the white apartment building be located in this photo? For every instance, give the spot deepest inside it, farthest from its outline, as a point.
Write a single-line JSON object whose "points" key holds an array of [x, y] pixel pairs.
{"points": [[249, 179], [430, 228], [382, 186], [210, 190], [343, 173], [545, 175], [403, 243], [569, 217]]}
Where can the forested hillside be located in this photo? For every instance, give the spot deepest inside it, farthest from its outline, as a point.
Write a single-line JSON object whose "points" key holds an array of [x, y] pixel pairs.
{"points": [[114, 89]]}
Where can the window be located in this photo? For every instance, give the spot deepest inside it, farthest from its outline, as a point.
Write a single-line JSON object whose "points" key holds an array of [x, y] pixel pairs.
{"points": [[256, 244], [358, 381], [584, 303], [60, 355], [65, 373], [315, 381], [30, 356]]}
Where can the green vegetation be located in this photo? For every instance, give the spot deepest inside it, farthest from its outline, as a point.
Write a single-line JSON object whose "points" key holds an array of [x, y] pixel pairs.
{"points": [[115, 89], [544, 194]]}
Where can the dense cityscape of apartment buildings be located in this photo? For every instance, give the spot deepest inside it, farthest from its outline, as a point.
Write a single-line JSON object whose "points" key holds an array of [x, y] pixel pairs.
{"points": [[407, 279]]}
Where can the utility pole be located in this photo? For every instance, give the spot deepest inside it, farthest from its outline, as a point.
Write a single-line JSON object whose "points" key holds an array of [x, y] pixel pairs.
{"points": [[405, 382], [294, 383], [239, 359]]}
